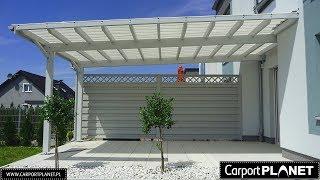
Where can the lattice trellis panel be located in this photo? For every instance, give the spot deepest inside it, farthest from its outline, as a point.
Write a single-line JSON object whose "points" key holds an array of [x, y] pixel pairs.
{"points": [[165, 79]]}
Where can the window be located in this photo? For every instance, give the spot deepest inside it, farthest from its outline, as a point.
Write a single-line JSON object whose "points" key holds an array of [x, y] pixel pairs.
{"points": [[262, 5], [26, 87]]}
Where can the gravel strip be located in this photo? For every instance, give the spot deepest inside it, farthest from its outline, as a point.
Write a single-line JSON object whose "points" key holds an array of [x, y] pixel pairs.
{"points": [[136, 170]]}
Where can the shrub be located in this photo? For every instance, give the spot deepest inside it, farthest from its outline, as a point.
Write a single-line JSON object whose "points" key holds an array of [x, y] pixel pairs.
{"points": [[70, 135], [26, 131], [157, 114], [10, 131]]}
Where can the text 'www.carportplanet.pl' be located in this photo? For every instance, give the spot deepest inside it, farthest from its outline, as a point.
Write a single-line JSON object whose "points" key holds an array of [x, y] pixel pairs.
{"points": [[39, 173]]}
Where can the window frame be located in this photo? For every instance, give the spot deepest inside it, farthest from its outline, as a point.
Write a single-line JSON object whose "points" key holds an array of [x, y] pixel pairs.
{"points": [[26, 85], [262, 5]]}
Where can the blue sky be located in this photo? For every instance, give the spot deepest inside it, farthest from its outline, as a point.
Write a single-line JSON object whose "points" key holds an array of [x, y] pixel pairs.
{"points": [[16, 53]]}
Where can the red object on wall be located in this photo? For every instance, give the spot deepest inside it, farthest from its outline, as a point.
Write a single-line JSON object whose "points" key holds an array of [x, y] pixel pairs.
{"points": [[180, 74]]}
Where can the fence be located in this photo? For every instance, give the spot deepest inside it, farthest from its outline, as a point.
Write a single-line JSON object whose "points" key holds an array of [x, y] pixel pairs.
{"points": [[18, 115]]}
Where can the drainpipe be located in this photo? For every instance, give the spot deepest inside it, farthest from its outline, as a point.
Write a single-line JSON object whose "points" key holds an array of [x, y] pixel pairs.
{"points": [[202, 70], [261, 128]]}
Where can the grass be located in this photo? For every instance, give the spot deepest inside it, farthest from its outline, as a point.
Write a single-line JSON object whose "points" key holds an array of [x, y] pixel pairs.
{"points": [[12, 154]]}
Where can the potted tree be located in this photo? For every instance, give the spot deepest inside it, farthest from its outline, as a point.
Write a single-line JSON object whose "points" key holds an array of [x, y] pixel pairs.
{"points": [[157, 114], [59, 112]]}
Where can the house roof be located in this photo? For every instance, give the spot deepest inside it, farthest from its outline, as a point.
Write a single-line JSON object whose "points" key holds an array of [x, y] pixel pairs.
{"points": [[39, 82], [159, 40]]}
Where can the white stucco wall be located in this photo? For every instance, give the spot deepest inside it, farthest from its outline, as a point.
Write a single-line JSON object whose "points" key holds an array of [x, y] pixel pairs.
{"points": [[249, 73], [295, 69], [271, 61]]}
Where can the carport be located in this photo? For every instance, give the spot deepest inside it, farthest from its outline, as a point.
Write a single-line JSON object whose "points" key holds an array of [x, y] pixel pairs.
{"points": [[171, 40]]}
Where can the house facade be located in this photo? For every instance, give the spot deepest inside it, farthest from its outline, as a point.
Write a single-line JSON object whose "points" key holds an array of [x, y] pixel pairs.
{"points": [[286, 118], [27, 89]]}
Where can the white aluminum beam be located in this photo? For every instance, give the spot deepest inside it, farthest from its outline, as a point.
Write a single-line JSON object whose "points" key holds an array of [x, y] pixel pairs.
{"points": [[260, 27], [73, 24], [59, 36], [250, 50], [284, 25], [234, 49], [46, 142], [197, 52], [158, 32], [83, 34], [87, 56], [214, 52], [235, 28], [209, 30], [105, 55], [173, 61], [268, 49], [172, 42], [133, 33], [80, 73], [106, 31]]}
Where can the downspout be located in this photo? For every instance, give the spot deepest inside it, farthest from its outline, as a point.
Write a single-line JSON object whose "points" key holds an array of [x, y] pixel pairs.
{"points": [[202, 70], [261, 128]]}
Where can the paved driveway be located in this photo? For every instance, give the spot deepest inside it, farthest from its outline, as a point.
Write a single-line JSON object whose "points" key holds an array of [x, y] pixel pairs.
{"points": [[96, 158]]}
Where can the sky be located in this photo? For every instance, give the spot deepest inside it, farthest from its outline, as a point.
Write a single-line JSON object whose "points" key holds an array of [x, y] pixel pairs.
{"points": [[19, 54]]}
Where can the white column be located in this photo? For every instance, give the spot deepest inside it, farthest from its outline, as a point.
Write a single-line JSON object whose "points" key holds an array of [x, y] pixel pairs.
{"points": [[48, 92], [75, 106], [80, 72]]}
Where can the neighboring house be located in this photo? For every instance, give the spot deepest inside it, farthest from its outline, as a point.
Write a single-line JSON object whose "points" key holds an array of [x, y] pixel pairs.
{"points": [[25, 89]]}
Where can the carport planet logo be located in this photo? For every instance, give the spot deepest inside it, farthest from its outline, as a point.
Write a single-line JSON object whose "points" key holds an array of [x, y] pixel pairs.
{"points": [[272, 170]]}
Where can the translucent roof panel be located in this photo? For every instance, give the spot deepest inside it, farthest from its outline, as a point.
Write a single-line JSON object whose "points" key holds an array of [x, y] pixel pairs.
{"points": [[45, 35], [169, 52], [247, 27], [150, 53], [269, 29], [243, 49], [132, 53], [95, 33], [70, 34], [188, 51], [206, 50], [114, 54], [196, 29], [225, 49], [77, 56], [222, 38], [146, 31], [262, 48], [121, 32], [222, 28], [171, 30], [95, 54]]}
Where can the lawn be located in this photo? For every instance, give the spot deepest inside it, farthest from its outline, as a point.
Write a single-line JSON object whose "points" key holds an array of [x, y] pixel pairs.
{"points": [[12, 154]]}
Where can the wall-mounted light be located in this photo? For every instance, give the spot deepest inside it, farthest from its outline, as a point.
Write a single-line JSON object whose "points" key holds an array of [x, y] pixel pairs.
{"points": [[318, 37]]}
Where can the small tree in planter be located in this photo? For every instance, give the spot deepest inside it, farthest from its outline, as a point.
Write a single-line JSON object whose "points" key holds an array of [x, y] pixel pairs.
{"points": [[157, 114], [59, 112]]}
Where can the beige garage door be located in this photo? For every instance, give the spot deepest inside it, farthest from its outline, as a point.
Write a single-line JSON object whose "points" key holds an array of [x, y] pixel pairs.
{"points": [[206, 107]]}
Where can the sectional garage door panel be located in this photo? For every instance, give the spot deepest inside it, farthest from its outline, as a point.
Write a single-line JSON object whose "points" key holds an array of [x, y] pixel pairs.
{"points": [[202, 111]]}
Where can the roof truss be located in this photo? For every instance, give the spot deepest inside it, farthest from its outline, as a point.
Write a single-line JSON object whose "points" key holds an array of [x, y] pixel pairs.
{"points": [[159, 40]]}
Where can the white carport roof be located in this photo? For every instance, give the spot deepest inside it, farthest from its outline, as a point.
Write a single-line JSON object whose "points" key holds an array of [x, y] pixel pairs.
{"points": [[169, 40]]}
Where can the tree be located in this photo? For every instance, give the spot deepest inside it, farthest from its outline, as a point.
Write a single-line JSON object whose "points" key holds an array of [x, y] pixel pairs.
{"points": [[157, 114], [59, 112], [26, 131]]}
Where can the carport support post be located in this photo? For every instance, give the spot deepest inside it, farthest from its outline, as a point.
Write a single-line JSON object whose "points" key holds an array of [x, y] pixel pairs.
{"points": [[79, 96], [48, 92]]}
